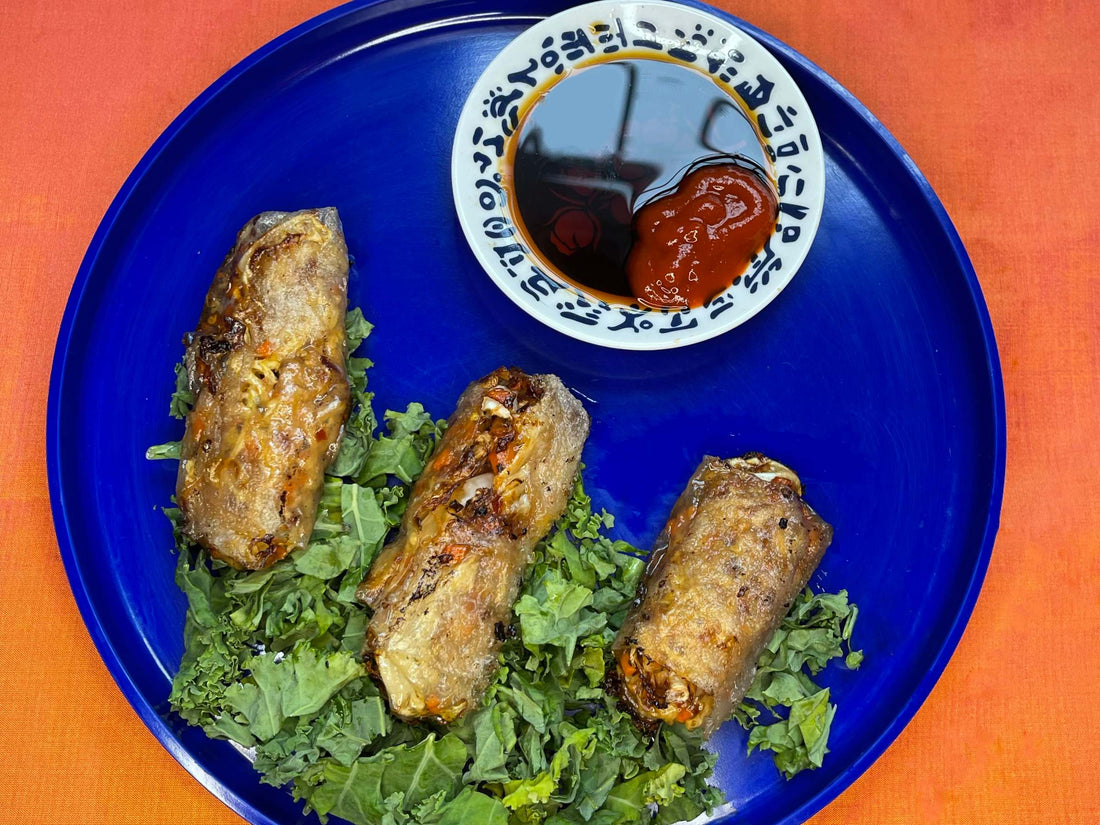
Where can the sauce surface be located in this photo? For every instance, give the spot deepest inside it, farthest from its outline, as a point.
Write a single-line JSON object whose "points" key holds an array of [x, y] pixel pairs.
{"points": [[609, 139], [692, 243]]}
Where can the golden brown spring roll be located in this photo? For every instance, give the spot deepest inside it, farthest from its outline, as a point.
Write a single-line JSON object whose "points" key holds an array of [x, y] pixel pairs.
{"points": [[739, 546], [267, 367], [443, 590]]}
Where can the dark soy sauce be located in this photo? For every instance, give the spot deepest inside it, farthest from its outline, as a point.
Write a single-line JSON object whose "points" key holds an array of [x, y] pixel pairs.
{"points": [[604, 141]]}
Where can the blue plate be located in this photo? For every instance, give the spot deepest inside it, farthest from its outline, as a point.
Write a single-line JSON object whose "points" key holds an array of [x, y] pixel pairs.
{"points": [[874, 374]]}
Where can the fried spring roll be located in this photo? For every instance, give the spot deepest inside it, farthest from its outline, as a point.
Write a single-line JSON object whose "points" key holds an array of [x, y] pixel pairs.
{"points": [[443, 590], [739, 546], [267, 367]]}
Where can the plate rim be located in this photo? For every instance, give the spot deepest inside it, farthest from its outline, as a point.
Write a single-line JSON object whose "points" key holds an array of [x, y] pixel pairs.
{"points": [[67, 549]]}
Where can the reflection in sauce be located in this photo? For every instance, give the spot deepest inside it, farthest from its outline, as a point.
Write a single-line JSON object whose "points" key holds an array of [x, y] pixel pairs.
{"points": [[608, 150]]}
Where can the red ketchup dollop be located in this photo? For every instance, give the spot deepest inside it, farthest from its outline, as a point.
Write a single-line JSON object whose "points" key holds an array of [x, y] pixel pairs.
{"points": [[695, 241]]}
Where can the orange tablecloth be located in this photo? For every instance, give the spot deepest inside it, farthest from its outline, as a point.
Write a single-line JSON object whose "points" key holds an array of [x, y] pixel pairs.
{"points": [[997, 102]]}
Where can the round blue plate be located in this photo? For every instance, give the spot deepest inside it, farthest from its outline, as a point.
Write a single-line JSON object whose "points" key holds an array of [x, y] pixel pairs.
{"points": [[874, 374]]}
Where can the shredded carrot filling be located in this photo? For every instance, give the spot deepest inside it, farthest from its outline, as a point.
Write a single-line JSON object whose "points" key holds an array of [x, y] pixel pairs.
{"points": [[457, 552], [624, 662], [661, 694], [198, 425], [499, 459]]}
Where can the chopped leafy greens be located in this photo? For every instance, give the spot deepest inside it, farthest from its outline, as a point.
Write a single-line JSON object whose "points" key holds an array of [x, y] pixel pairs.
{"points": [[272, 662], [182, 397], [169, 449], [817, 630]]}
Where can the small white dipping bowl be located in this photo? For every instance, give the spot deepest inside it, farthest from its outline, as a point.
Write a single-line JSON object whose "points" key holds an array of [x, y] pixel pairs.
{"points": [[598, 32]]}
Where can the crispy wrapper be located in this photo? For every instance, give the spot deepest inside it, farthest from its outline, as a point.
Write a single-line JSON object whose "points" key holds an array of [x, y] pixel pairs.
{"points": [[442, 591], [739, 546], [267, 366]]}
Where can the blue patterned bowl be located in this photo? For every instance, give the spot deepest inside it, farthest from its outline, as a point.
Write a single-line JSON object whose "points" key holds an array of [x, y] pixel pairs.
{"points": [[519, 78]]}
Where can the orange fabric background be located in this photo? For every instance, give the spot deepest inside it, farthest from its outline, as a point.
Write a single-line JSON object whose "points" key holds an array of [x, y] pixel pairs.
{"points": [[996, 101]]}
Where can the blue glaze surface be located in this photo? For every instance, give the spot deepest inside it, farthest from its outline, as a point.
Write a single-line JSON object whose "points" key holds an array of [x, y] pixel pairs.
{"points": [[874, 374]]}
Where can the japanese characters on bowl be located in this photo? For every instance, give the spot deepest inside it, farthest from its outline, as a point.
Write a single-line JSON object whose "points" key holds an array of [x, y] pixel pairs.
{"points": [[622, 122]]}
